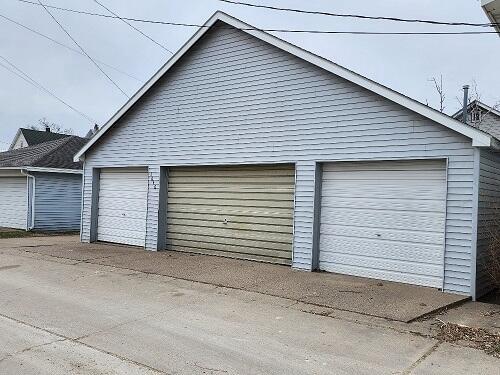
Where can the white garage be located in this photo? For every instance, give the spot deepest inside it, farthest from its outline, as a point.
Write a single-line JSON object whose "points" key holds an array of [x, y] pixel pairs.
{"points": [[122, 206], [13, 202], [383, 186], [384, 220]]}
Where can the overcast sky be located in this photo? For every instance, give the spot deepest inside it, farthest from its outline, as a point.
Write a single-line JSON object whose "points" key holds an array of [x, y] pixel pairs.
{"points": [[404, 63]]}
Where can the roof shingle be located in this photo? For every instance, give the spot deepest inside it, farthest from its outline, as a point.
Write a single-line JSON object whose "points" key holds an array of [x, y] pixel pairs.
{"points": [[54, 154]]}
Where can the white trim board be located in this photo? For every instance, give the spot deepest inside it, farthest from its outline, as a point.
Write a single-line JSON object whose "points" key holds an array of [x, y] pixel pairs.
{"points": [[43, 170], [479, 138]]}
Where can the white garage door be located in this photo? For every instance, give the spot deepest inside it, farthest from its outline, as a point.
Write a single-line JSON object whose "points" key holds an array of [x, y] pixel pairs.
{"points": [[13, 202], [384, 220], [122, 206], [240, 212]]}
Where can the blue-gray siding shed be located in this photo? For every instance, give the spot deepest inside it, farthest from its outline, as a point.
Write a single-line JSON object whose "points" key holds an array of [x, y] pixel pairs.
{"points": [[57, 202], [234, 99]]}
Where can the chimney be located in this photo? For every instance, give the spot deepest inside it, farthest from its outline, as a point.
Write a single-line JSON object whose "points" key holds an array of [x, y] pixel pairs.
{"points": [[47, 129], [466, 102]]}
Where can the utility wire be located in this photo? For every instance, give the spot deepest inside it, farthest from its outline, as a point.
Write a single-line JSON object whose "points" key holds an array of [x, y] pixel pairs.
{"points": [[31, 81], [81, 48], [347, 15], [273, 30], [66, 46], [135, 28]]}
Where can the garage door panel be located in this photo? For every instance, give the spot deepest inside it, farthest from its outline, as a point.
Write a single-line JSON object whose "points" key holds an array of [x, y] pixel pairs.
{"points": [[388, 234], [430, 221], [377, 203], [401, 266], [234, 249], [384, 220], [274, 212], [389, 275], [261, 243], [127, 222], [231, 218], [232, 233], [233, 202], [122, 206], [233, 225], [244, 211], [13, 202], [385, 192], [234, 195], [369, 247]]}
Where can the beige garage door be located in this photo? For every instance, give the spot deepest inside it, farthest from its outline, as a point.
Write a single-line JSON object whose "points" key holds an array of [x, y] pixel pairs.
{"points": [[240, 212]]}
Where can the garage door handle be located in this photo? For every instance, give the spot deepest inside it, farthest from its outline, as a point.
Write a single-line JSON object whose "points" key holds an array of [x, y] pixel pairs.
{"points": [[225, 221]]}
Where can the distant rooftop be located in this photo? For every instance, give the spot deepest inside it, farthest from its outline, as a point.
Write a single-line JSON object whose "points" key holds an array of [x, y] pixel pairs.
{"points": [[35, 137], [53, 154]]}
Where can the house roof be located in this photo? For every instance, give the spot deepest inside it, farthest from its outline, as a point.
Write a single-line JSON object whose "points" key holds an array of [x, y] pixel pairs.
{"points": [[492, 10], [57, 154], [35, 137], [478, 137], [486, 126]]}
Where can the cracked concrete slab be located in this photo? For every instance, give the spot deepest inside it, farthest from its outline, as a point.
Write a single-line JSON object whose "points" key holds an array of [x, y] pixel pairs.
{"points": [[137, 323], [449, 359], [395, 301]]}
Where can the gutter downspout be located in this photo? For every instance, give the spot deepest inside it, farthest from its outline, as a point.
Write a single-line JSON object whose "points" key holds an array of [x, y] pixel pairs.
{"points": [[32, 200]]}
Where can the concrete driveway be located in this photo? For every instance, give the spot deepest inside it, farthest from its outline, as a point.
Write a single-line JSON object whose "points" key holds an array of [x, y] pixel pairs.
{"points": [[395, 301], [61, 316]]}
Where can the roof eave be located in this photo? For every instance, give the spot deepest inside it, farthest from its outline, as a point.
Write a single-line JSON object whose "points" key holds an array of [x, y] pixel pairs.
{"points": [[479, 138], [485, 5]]}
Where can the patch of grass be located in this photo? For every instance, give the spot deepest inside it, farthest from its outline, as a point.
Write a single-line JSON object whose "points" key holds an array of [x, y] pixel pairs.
{"points": [[22, 234], [16, 234]]}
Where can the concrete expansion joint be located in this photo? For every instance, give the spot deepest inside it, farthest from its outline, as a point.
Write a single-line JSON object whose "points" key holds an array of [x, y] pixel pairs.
{"points": [[31, 348], [76, 341], [422, 358]]}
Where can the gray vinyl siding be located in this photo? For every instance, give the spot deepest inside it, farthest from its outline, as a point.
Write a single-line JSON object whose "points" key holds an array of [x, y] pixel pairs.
{"points": [[233, 99], [57, 201], [489, 205], [490, 123]]}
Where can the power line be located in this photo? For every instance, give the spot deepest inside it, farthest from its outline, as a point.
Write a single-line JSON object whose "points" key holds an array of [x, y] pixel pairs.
{"points": [[347, 15], [31, 81], [271, 30], [135, 28], [66, 46], [81, 48]]}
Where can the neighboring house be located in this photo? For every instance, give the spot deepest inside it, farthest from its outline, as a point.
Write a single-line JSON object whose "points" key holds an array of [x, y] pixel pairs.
{"points": [[244, 145], [41, 186], [492, 10], [30, 137], [482, 117]]}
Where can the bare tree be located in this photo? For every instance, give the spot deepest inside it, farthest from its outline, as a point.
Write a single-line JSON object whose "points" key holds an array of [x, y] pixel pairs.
{"points": [[438, 85], [43, 124]]}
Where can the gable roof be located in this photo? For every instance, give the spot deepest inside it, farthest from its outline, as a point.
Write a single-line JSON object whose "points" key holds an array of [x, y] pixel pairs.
{"points": [[56, 154], [478, 137], [477, 103], [35, 137], [491, 125]]}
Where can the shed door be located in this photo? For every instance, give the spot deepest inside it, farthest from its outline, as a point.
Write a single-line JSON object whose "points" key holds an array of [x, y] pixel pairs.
{"points": [[13, 202], [122, 206], [240, 212], [384, 220]]}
